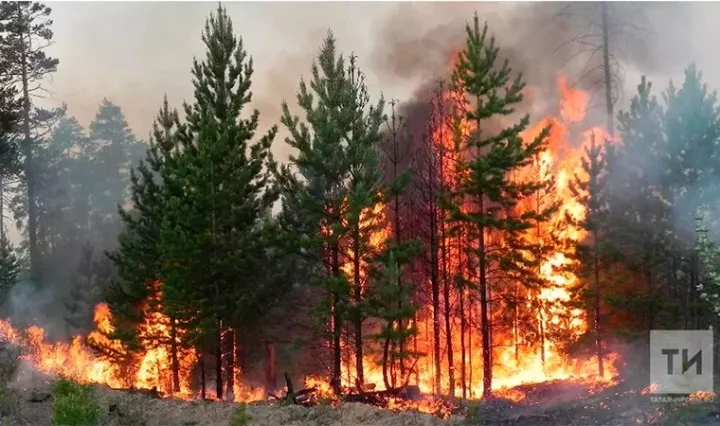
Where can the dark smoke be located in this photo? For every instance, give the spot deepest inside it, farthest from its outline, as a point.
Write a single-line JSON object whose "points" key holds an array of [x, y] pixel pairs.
{"points": [[541, 40]]}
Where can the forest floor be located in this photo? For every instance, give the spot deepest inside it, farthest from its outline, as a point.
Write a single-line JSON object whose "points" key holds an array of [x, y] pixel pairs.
{"points": [[553, 404], [25, 399]]}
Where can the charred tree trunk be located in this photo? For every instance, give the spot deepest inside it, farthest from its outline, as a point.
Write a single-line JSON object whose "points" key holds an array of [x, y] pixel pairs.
{"points": [[174, 356], [598, 335], [203, 385], [337, 326], [607, 71], [218, 361], [435, 282], [470, 347], [484, 311], [230, 365], [449, 340], [463, 328], [270, 368], [358, 320]]}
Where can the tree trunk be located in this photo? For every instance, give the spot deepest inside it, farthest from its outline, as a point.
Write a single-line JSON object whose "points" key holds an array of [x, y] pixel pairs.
{"points": [[270, 371], [360, 376], [484, 314], [203, 385], [218, 361], [598, 335], [174, 356], [449, 340], [2, 209], [337, 326], [230, 364], [606, 69], [463, 327], [35, 271], [434, 280]]}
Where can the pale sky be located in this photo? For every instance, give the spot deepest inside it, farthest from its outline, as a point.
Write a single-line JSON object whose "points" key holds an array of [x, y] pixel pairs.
{"points": [[135, 52]]}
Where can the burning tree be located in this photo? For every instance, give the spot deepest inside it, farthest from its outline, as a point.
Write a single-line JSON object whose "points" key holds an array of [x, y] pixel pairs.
{"points": [[485, 172]]}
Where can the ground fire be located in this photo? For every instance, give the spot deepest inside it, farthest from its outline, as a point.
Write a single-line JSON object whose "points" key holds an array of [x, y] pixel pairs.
{"points": [[516, 362]]}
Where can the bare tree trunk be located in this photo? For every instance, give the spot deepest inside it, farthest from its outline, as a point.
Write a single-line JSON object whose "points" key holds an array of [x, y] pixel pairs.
{"points": [[203, 385], [360, 374], [449, 340], [174, 356], [598, 335], [484, 311], [337, 326], [434, 280], [218, 361], [230, 364], [35, 270], [270, 368], [470, 346], [463, 328], [607, 71]]}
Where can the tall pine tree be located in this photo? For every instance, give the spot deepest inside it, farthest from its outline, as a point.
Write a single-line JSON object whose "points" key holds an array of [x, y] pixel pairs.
{"points": [[26, 27], [214, 235], [486, 182]]}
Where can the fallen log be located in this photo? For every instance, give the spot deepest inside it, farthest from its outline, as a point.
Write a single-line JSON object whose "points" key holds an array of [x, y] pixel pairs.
{"points": [[153, 393], [380, 397]]}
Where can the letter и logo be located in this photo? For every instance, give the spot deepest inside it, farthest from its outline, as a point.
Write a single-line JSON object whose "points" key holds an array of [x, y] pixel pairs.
{"points": [[681, 361]]}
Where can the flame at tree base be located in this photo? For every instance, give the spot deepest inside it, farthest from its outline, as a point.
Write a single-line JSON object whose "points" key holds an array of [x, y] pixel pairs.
{"points": [[150, 369]]}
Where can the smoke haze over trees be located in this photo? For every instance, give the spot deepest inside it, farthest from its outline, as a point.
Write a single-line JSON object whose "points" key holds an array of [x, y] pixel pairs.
{"points": [[269, 196]]}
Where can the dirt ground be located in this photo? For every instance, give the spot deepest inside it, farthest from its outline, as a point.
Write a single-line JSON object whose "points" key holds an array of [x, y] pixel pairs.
{"points": [[555, 404], [27, 401]]}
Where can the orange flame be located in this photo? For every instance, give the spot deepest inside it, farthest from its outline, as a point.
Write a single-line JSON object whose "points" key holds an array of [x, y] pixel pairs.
{"points": [[150, 369]]}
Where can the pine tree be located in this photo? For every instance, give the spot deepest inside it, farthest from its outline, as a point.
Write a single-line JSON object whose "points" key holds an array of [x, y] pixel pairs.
{"points": [[113, 150], [392, 303], [26, 26], [138, 258], [341, 189], [590, 192], [638, 215], [365, 211], [691, 124], [213, 236], [9, 127], [486, 181], [84, 294], [9, 269]]}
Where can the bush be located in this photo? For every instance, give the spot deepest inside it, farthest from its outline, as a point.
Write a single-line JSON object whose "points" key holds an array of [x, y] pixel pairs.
{"points": [[73, 404], [240, 416]]}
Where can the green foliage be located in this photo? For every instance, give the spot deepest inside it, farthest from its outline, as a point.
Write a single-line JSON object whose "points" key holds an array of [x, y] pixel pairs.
{"points": [[486, 86], [709, 254], [73, 404], [240, 416], [9, 269], [215, 236]]}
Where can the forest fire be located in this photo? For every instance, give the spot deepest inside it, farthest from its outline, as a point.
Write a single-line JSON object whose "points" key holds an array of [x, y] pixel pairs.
{"points": [[531, 325]]}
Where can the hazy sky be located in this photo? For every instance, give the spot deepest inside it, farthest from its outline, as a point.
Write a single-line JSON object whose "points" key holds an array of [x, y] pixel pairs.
{"points": [[135, 52]]}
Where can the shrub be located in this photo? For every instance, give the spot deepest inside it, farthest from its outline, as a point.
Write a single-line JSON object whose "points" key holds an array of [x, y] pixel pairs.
{"points": [[240, 416], [73, 404]]}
